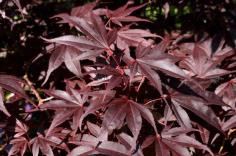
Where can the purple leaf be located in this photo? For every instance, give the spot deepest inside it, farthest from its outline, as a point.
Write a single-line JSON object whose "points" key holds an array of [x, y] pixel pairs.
{"points": [[198, 107], [81, 151], [187, 141], [13, 84], [122, 14], [230, 123], [112, 148], [181, 115], [55, 61]]}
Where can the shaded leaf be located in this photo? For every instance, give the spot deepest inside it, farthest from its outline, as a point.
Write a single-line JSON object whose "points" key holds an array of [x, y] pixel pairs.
{"points": [[122, 14], [2, 106]]}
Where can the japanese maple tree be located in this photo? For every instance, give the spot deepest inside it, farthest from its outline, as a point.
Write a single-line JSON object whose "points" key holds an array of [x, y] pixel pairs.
{"points": [[132, 92]]}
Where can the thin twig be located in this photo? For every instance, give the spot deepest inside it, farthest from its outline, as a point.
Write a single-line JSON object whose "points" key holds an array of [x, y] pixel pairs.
{"points": [[142, 81], [152, 101], [35, 92]]}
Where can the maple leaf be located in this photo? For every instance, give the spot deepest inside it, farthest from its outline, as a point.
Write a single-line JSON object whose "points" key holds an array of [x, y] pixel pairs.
{"points": [[97, 143], [110, 73], [181, 115], [133, 37], [170, 142], [41, 143], [114, 78], [118, 110], [230, 123], [96, 34], [227, 91], [196, 105], [97, 102], [20, 129], [104, 147], [217, 55], [54, 138], [82, 11], [82, 151], [199, 65], [122, 108], [12, 84], [149, 59], [72, 49], [71, 57], [122, 14], [79, 42], [19, 143], [130, 143], [69, 106], [174, 112], [113, 148], [98, 132]]}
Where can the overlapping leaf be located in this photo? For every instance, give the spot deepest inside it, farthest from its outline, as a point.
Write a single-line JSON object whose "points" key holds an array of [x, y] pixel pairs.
{"points": [[70, 56], [12, 84], [230, 123], [98, 143], [149, 59], [130, 143], [169, 143], [133, 37], [70, 106], [227, 90], [198, 106], [71, 48], [122, 14], [45, 144], [83, 10], [120, 109], [19, 145], [96, 35], [200, 65]]}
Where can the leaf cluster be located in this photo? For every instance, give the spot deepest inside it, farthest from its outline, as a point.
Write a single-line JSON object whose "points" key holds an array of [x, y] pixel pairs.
{"points": [[131, 90]]}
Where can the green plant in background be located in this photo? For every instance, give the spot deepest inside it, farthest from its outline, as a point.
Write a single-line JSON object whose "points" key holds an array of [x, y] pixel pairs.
{"points": [[167, 13]]}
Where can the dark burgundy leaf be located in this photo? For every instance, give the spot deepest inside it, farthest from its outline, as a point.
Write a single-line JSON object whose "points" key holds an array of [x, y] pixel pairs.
{"points": [[150, 59], [200, 65], [13, 84], [133, 37], [119, 109], [122, 14], [19, 145], [113, 148], [198, 107], [83, 10], [81, 151], [229, 124], [181, 115]]}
